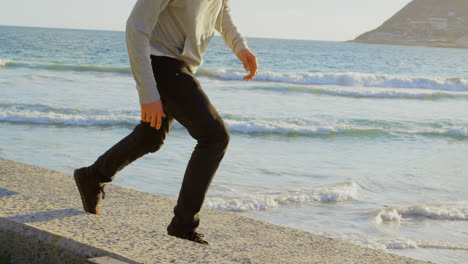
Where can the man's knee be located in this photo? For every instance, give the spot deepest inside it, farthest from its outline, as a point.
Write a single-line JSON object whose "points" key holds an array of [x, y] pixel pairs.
{"points": [[227, 137], [148, 138], [223, 136]]}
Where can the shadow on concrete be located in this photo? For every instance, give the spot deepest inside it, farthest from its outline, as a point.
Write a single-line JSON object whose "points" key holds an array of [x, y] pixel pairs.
{"points": [[46, 216], [5, 192]]}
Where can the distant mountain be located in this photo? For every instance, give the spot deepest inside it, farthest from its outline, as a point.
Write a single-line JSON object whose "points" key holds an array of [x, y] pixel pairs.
{"points": [[442, 23]]}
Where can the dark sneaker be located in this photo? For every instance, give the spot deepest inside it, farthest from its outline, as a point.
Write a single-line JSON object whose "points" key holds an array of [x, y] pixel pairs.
{"points": [[192, 236], [90, 190]]}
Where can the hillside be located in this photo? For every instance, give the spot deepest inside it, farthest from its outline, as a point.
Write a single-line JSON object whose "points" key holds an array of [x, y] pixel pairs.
{"points": [[424, 22]]}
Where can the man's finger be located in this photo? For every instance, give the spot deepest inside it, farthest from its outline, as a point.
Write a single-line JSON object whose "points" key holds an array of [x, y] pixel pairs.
{"points": [[246, 64], [249, 77], [252, 61], [143, 116], [254, 65], [148, 117], [253, 70], [153, 121], [158, 121]]}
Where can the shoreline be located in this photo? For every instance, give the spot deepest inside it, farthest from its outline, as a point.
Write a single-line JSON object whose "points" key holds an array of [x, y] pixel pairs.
{"points": [[41, 216]]}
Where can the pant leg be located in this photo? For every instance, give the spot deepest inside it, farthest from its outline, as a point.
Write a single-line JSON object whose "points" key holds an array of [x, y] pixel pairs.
{"points": [[143, 139], [188, 104]]}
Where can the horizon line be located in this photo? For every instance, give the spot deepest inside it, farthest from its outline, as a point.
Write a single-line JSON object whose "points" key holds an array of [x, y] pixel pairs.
{"points": [[112, 30]]}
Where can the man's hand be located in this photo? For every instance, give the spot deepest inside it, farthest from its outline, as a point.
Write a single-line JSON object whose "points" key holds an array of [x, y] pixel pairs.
{"points": [[250, 63], [153, 113]]}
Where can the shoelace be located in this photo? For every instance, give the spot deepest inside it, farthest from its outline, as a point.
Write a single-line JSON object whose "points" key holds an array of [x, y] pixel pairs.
{"points": [[197, 237]]}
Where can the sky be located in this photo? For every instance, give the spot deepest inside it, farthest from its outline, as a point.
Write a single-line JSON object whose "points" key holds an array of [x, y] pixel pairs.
{"points": [[335, 20]]}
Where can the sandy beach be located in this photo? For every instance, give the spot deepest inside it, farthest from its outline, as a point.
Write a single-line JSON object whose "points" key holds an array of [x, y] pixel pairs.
{"points": [[41, 220]]}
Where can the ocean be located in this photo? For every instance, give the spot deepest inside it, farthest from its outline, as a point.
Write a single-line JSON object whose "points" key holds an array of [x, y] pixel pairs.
{"points": [[363, 143]]}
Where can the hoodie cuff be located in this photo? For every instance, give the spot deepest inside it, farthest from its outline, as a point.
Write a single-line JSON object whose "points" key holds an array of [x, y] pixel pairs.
{"points": [[148, 96], [240, 46]]}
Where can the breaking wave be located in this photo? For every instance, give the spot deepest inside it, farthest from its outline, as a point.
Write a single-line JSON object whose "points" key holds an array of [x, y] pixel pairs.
{"points": [[367, 92], [331, 194], [397, 215], [348, 79], [4, 62], [64, 67], [392, 242], [395, 243], [47, 115], [412, 244]]}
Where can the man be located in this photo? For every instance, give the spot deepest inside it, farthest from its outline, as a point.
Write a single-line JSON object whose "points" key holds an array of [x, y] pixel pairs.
{"points": [[166, 40]]}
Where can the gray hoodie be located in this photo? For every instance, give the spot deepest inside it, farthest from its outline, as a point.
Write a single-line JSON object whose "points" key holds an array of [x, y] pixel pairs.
{"points": [[180, 29]]}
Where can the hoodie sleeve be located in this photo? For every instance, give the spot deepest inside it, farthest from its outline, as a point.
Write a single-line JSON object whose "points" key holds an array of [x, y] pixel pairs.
{"points": [[140, 26], [225, 26]]}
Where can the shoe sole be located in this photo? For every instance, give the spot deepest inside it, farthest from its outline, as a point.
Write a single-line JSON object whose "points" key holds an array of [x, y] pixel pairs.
{"points": [[180, 237], [80, 189], [171, 232]]}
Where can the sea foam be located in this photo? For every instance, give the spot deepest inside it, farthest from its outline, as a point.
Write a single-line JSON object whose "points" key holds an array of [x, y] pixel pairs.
{"points": [[64, 67], [4, 62], [411, 244], [406, 243], [397, 215], [48, 115], [44, 115], [365, 92], [263, 201], [392, 242], [348, 79]]}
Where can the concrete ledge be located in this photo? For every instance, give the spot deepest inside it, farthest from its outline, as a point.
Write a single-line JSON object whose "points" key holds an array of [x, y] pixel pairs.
{"points": [[26, 244], [41, 221]]}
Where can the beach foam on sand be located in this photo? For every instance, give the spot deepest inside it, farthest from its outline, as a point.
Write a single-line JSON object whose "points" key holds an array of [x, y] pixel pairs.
{"points": [[41, 220]]}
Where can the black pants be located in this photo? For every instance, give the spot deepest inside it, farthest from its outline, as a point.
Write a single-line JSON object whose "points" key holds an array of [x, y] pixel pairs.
{"points": [[183, 100]]}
